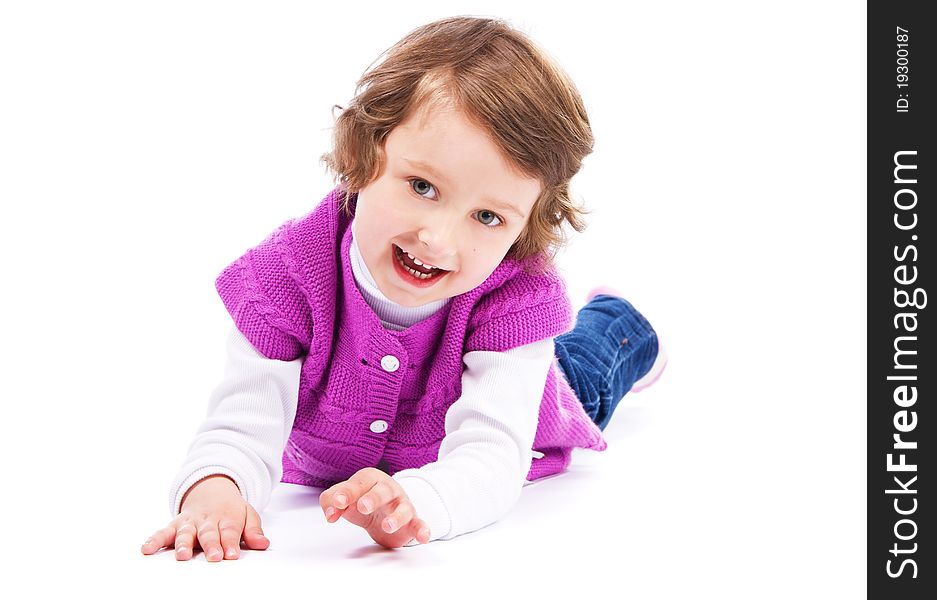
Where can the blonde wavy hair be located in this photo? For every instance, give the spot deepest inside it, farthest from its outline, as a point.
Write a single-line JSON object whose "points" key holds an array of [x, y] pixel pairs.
{"points": [[503, 83]]}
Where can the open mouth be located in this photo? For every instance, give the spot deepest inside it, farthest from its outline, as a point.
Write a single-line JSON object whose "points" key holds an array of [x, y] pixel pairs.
{"points": [[416, 271]]}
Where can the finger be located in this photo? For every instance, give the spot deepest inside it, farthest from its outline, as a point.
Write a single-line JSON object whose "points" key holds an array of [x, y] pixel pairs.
{"points": [[327, 503], [399, 518], [209, 539], [419, 530], [328, 496], [333, 514], [254, 536], [382, 493], [230, 530], [348, 492], [415, 530], [161, 539], [185, 539]]}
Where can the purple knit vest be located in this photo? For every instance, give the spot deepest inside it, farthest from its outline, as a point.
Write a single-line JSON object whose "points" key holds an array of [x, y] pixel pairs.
{"points": [[367, 393]]}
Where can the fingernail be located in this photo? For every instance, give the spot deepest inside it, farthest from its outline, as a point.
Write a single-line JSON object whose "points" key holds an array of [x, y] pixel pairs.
{"points": [[341, 499], [329, 511], [214, 553], [180, 550], [232, 552], [367, 506], [391, 526]]}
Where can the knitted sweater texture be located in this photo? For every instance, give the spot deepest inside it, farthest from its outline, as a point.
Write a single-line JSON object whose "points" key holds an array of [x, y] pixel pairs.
{"points": [[367, 393]]}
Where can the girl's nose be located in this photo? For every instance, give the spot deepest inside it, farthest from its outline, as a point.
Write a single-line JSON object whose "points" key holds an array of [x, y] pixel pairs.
{"points": [[438, 239]]}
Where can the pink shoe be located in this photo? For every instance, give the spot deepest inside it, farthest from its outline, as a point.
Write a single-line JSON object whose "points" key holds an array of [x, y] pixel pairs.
{"points": [[659, 363], [608, 291], [654, 374]]}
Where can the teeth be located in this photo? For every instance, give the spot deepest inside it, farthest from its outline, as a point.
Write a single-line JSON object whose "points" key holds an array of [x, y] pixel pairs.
{"points": [[416, 274], [418, 262]]}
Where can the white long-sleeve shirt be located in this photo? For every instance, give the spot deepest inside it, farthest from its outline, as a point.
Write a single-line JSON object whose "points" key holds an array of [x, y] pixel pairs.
{"points": [[483, 459]]}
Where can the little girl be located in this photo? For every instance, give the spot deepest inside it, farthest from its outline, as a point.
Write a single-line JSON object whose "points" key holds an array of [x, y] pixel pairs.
{"points": [[406, 344]]}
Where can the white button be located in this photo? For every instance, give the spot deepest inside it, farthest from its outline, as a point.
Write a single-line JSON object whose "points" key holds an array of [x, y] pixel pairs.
{"points": [[390, 363], [379, 426]]}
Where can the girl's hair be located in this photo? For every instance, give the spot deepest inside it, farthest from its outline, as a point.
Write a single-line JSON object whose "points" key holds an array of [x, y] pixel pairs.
{"points": [[503, 83]]}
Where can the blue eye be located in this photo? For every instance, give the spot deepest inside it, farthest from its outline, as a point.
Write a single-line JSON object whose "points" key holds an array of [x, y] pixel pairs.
{"points": [[486, 217], [425, 184]]}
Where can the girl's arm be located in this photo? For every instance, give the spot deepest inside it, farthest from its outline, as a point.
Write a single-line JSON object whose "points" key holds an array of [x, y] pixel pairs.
{"points": [[486, 454], [250, 415]]}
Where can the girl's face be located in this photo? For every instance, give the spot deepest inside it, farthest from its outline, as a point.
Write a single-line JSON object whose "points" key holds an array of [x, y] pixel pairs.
{"points": [[445, 199]]}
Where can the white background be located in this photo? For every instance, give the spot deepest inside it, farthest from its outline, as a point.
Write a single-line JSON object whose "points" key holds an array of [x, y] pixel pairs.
{"points": [[144, 146]]}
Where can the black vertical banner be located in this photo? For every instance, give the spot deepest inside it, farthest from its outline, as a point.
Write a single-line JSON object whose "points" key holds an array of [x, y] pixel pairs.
{"points": [[902, 371]]}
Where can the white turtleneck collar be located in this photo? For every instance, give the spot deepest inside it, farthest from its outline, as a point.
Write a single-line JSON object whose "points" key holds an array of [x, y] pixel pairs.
{"points": [[391, 314]]}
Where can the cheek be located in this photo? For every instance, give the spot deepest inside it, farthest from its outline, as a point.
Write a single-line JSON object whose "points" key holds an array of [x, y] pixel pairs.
{"points": [[371, 235], [482, 263], [388, 219], [373, 224]]}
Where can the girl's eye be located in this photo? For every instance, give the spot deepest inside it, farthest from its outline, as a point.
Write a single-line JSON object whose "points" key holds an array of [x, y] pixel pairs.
{"points": [[422, 183], [486, 217]]}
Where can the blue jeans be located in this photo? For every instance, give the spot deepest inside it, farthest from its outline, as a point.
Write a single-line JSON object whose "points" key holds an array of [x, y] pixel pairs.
{"points": [[611, 346]]}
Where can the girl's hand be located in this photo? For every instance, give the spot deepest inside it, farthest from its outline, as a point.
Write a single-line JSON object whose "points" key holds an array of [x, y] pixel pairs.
{"points": [[214, 511], [372, 499]]}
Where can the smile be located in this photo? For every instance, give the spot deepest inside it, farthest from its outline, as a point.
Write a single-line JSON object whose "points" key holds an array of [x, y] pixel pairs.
{"points": [[415, 271]]}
